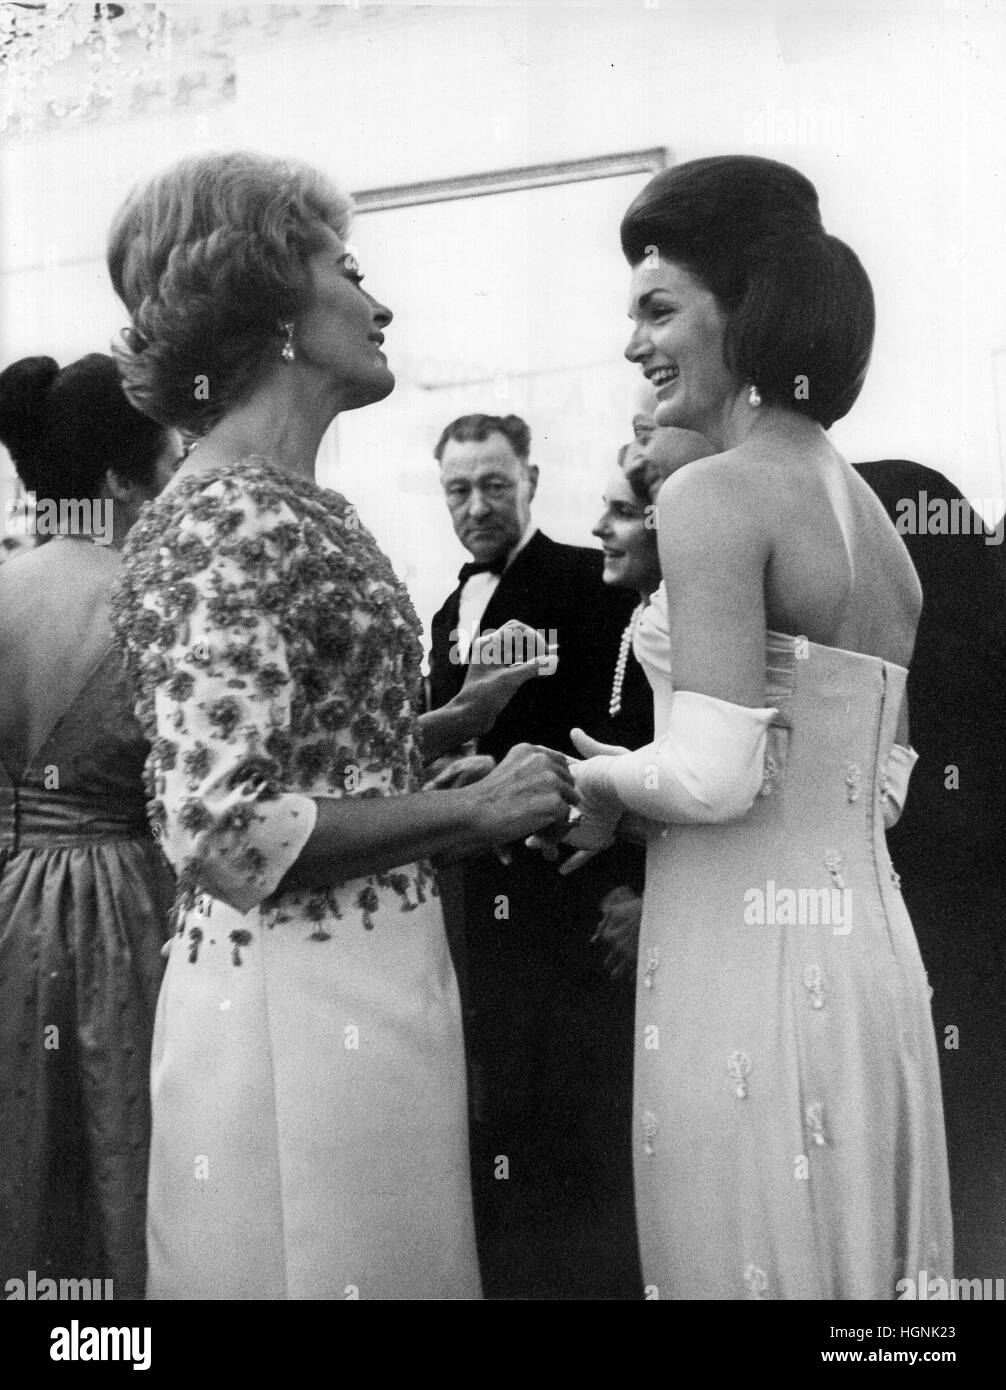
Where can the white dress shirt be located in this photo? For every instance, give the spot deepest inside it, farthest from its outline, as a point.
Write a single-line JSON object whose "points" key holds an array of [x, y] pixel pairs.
{"points": [[475, 596]]}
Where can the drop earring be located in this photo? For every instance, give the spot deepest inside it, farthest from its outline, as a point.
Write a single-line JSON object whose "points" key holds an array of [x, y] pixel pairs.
{"points": [[754, 397], [288, 354]]}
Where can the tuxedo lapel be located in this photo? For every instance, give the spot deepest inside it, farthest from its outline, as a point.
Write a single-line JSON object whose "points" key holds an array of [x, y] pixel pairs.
{"points": [[522, 593], [520, 585], [447, 618], [446, 676]]}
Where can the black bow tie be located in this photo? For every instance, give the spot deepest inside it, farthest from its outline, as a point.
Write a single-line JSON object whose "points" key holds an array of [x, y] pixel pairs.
{"points": [[496, 566]]}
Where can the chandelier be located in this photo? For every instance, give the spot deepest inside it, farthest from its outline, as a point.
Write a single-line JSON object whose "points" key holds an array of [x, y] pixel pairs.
{"points": [[62, 61], [65, 61]]}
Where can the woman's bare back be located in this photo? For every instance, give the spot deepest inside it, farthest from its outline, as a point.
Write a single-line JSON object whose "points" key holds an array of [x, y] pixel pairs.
{"points": [[839, 573], [54, 629]]}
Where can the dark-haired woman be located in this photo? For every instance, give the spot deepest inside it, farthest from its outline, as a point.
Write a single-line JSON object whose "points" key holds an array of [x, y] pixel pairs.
{"points": [[629, 545], [85, 892], [309, 1114], [789, 1139]]}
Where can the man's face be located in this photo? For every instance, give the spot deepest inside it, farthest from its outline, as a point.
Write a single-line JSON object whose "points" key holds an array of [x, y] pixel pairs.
{"points": [[489, 491], [661, 450]]}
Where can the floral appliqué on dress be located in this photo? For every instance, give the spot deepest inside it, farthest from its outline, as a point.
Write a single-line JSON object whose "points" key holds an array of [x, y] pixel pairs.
{"points": [[275, 657]]}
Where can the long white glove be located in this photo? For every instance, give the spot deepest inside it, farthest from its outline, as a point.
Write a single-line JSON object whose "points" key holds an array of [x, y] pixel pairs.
{"points": [[894, 785], [707, 768]]}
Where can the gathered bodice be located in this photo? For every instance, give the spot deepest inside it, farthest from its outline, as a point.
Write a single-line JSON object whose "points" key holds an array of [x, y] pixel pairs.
{"points": [[86, 780]]}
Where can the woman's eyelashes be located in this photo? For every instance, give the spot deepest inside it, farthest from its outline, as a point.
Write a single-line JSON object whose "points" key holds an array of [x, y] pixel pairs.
{"points": [[652, 310]]}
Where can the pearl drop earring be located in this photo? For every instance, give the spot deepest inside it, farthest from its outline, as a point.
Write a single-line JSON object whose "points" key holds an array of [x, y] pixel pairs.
{"points": [[288, 354]]}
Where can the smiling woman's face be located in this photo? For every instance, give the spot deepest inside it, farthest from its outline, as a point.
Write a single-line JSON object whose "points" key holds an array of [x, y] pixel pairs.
{"points": [[677, 342], [628, 537]]}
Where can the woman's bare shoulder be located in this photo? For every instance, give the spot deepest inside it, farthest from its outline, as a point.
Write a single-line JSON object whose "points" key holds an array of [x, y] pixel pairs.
{"points": [[735, 488]]}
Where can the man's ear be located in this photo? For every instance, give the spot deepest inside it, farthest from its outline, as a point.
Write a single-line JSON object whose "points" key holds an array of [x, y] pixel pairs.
{"points": [[532, 473]]}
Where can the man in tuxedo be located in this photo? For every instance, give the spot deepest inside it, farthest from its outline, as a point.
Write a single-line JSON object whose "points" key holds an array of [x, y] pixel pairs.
{"points": [[540, 1007]]}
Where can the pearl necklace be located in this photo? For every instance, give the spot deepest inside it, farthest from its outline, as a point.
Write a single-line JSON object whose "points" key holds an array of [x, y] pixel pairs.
{"points": [[615, 703]]}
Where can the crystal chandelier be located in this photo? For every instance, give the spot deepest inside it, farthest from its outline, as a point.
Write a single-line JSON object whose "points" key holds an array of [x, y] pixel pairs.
{"points": [[65, 61]]}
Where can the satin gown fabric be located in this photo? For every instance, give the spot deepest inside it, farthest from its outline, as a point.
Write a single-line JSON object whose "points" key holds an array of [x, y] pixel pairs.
{"points": [[788, 1126]]}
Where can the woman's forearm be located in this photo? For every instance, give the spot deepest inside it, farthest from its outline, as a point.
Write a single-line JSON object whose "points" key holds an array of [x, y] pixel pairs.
{"points": [[354, 836], [445, 729]]}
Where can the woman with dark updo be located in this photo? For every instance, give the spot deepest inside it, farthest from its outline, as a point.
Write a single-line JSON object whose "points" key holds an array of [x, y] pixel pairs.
{"points": [[310, 1134], [84, 890], [788, 1128]]}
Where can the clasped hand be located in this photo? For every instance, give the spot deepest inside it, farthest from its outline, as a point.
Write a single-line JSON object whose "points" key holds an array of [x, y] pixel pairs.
{"points": [[593, 824]]}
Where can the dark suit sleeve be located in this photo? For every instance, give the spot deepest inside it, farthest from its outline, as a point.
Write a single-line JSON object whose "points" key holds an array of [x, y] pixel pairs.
{"points": [[446, 677], [564, 596]]}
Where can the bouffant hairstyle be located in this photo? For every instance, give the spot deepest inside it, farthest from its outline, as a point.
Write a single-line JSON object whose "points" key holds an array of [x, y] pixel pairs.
{"points": [[210, 258], [799, 303], [478, 428], [64, 429]]}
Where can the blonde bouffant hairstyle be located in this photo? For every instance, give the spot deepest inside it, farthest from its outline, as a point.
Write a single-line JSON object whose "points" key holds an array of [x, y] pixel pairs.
{"points": [[210, 258]]}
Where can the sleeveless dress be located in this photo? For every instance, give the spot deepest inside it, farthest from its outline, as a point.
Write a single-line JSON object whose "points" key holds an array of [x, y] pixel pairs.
{"points": [[309, 1101], [85, 897], [788, 1124]]}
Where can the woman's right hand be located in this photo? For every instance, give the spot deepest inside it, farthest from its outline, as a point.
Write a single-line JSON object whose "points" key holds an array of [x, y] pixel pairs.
{"points": [[532, 788]]}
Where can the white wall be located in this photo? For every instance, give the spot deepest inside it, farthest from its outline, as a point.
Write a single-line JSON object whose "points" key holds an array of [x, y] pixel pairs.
{"points": [[896, 112]]}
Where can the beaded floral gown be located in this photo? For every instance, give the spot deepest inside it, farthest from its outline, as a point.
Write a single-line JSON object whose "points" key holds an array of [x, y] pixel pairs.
{"points": [[788, 1123], [308, 1083]]}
